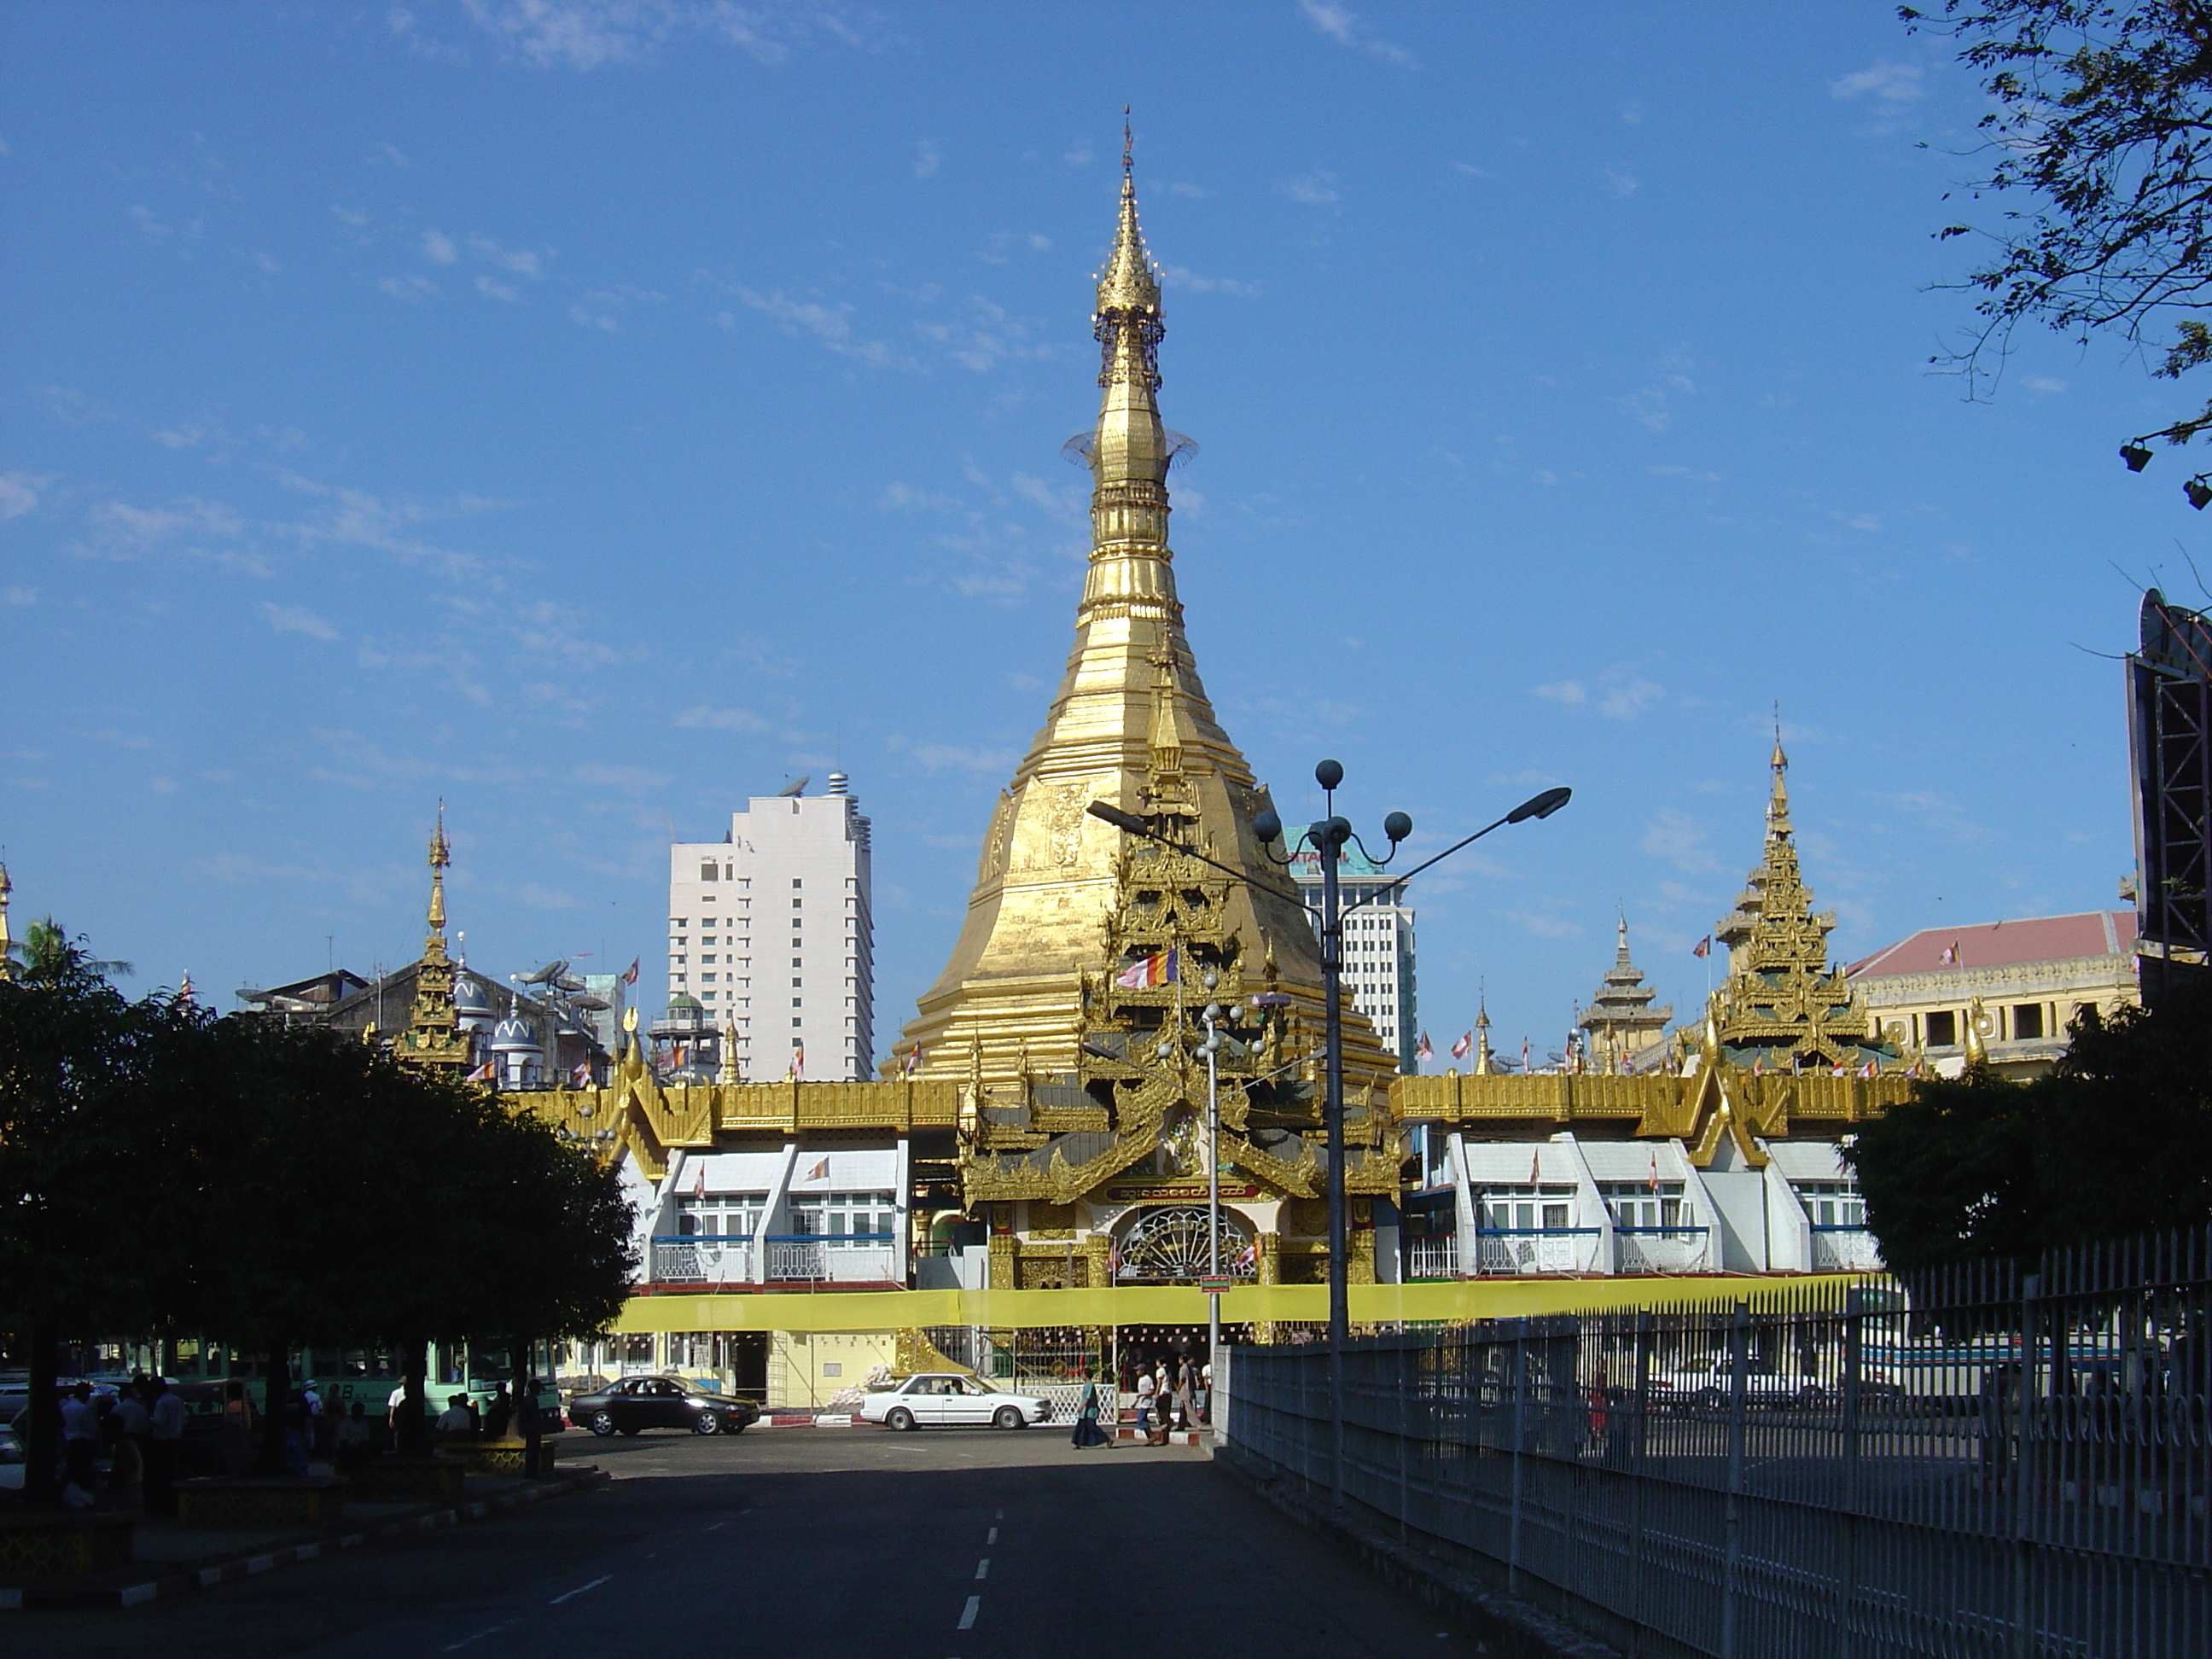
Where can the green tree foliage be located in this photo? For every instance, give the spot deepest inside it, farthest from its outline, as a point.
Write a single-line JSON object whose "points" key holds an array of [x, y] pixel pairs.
{"points": [[165, 1170], [2117, 1140], [2102, 130]]}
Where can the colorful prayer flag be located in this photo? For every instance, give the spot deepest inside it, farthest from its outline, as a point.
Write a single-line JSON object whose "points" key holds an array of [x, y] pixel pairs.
{"points": [[1158, 969], [820, 1171], [1464, 1046], [630, 978], [1950, 957], [914, 1059], [1703, 947], [1421, 1050]]}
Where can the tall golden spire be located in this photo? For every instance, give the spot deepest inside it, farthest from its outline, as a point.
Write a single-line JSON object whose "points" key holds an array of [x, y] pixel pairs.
{"points": [[7, 945], [433, 1039], [1131, 725]]}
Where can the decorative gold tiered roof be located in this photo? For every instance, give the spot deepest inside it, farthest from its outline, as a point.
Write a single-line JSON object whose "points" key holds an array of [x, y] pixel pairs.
{"points": [[433, 1039], [1782, 1007], [1130, 725], [1620, 1020]]}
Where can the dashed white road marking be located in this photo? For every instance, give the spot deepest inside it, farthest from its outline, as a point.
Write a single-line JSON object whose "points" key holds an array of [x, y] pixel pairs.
{"points": [[579, 1589], [983, 1569], [478, 1636], [994, 1538], [968, 1613]]}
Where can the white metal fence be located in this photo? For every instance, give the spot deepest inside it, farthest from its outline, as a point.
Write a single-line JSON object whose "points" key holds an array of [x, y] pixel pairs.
{"points": [[1989, 1462]]}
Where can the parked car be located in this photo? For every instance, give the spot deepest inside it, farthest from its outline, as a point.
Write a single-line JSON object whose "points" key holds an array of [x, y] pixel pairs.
{"points": [[637, 1403], [1710, 1384], [11, 1461], [935, 1398]]}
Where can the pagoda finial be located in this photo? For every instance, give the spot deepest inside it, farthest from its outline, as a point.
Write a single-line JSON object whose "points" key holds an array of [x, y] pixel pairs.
{"points": [[1483, 1065], [441, 856], [7, 945], [1130, 284]]}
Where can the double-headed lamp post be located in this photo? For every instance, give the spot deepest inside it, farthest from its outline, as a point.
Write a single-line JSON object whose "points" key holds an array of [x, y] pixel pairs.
{"points": [[1327, 838]]}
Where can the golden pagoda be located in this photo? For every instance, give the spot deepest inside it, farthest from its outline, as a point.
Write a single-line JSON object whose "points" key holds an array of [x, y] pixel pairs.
{"points": [[1783, 1008], [433, 1039]]}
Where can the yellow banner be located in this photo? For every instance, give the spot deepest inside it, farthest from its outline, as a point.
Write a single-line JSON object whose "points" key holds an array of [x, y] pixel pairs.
{"points": [[1453, 1302]]}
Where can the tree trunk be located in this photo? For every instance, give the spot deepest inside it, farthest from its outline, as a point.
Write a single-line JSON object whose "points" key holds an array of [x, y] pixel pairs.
{"points": [[276, 1410], [42, 1442], [412, 1437]]}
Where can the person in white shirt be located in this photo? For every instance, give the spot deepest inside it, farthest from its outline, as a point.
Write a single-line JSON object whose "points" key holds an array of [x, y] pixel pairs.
{"points": [[80, 1438], [454, 1422], [165, 1436]]}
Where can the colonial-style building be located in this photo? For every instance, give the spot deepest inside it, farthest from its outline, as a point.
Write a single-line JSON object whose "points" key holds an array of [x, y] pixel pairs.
{"points": [[2008, 989]]}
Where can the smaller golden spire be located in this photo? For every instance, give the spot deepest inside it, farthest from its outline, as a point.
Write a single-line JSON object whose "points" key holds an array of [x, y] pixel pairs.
{"points": [[185, 990], [1482, 1062], [441, 856], [1130, 282], [7, 945], [729, 1074]]}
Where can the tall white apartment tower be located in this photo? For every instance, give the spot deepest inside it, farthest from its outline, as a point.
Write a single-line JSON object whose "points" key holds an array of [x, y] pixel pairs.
{"points": [[771, 930], [1378, 944]]}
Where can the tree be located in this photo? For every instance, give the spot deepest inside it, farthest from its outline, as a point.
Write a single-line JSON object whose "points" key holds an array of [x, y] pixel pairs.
{"points": [[2117, 1140], [2103, 122], [83, 1153]]}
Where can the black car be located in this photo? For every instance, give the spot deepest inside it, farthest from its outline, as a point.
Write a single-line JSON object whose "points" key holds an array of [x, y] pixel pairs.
{"points": [[660, 1402]]}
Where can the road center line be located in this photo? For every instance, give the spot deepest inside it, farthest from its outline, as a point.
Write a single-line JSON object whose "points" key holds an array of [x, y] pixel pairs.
{"points": [[999, 1515], [968, 1613], [983, 1569], [994, 1538], [478, 1636], [579, 1589]]}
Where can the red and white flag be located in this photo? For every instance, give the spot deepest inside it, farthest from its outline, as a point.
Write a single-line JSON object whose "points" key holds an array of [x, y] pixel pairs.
{"points": [[1421, 1050], [1950, 957], [1704, 947], [1464, 1046], [1158, 969], [914, 1059], [630, 977], [1654, 1172]]}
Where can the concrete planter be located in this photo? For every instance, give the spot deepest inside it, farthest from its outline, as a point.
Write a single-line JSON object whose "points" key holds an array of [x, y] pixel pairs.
{"points": [[390, 1478], [508, 1457], [279, 1501], [66, 1544]]}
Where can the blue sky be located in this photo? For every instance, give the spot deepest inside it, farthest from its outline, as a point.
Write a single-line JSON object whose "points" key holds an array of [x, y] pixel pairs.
{"points": [[595, 413]]}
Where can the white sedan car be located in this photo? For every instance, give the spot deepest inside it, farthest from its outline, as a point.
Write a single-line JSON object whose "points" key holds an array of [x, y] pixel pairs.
{"points": [[932, 1398]]}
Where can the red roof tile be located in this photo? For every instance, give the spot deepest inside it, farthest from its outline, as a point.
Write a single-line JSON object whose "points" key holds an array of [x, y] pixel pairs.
{"points": [[2005, 943]]}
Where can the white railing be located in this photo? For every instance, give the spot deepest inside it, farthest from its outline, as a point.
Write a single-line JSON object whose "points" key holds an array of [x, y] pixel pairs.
{"points": [[1553, 1250], [1429, 1258], [1666, 1250], [828, 1261], [734, 1260], [1845, 1250]]}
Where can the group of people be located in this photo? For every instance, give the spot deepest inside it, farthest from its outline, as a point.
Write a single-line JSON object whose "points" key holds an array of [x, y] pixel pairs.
{"points": [[1169, 1395], [138, 1432]]}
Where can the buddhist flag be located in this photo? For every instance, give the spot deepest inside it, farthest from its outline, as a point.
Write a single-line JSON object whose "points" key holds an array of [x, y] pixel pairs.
{"points": [[1460, 1049], [1158, 969], [1703, 947], [1950, 957], [820, 1171], [1867, 1070], [580, 1078], [1535, 1169], [914, 1059], [798, 1061], [1654, 1172], [699, 1187], [482, 1074], [1421, 1050], [630, 978]]}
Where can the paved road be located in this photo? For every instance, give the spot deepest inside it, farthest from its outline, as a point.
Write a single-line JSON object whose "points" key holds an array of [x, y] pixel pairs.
{"points": [[948, 1544]]}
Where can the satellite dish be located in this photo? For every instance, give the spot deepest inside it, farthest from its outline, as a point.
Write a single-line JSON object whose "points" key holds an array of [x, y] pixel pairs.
{"points": [[798, 788], [547, 975]]}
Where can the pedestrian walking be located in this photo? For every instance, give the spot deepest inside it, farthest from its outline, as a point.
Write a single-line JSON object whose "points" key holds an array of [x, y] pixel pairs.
{"points": [[80, 1443], [1147, 1395], [352, 1445], [1184, 1382], [234, 1442], [1087, 1432], [1206, 1392], [165, 1436]]}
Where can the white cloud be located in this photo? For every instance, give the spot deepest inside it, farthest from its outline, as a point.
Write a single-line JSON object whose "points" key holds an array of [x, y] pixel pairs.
{"points": [[926, 159], [1680, 839], [1573, 693], [590, 34], [1886, 83], [293, 619], [19, 494], [1342, 24], [831, 324], [1621, 184], [520, 260], [151, 225], [1314, 189], [1625, 701], [413, 289], [1183, 277], [16, 594], [706, 718], [1193, 192], [439, 248], [599, 319], [492, 290]]}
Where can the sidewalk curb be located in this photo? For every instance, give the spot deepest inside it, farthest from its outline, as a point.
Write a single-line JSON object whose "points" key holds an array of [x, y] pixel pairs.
{"points": [[36, 1597], [1511, 1627]]}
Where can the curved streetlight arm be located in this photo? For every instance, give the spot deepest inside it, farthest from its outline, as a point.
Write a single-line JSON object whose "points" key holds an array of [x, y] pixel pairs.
{"points": [[1130, 825]]}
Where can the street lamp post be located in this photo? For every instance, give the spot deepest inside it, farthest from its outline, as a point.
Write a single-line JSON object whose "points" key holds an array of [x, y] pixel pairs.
{"points": [[1327, 838]]}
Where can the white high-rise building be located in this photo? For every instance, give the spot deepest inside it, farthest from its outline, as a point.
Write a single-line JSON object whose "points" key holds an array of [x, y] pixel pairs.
{"points": [[1378, 944], [770, 930]]}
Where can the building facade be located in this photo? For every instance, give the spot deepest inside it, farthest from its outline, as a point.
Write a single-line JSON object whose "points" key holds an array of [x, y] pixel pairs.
{"points": [[771, 930], [2009, 988], [1378, 946]]}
